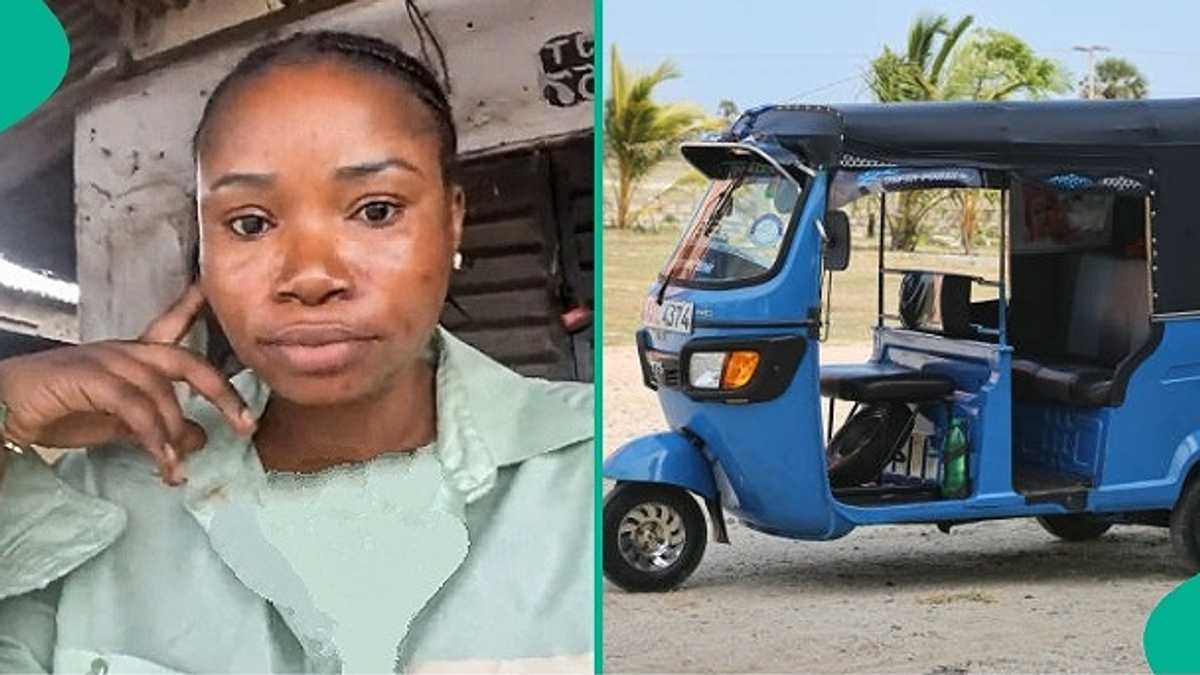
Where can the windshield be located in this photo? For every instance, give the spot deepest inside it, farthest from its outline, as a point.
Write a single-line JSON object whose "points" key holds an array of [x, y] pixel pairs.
{"points": [[737, 233]]}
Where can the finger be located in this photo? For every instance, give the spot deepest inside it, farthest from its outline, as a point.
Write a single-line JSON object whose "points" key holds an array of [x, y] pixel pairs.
{"points": [[170, 326], [180, 364], [192, 440], [151, 381], [121, 399]]}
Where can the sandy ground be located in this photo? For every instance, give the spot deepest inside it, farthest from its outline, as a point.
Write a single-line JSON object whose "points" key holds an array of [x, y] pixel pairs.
{"points": [[988, 597]]}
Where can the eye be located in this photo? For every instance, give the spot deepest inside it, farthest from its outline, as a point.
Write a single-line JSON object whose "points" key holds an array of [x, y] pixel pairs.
{"points": [[249, 226], [378, 213]]}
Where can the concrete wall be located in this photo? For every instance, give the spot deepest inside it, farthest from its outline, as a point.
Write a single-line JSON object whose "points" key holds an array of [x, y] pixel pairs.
{"points": [[185, 21], [135, 220]]}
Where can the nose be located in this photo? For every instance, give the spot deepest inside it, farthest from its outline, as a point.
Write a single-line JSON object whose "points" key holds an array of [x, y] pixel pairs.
{"points": [[313, 270]]}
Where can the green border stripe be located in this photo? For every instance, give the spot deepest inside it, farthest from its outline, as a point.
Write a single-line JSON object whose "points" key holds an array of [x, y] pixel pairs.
{"points": [[598, 320], [35, 51]]}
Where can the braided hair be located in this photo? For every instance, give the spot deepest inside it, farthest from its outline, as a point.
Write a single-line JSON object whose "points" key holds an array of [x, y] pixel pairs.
{"points": [[359, 50]]}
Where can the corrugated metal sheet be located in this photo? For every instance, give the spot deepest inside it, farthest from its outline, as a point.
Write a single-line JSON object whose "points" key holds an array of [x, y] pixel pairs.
{"points": [[529, 213], [572, 168]]}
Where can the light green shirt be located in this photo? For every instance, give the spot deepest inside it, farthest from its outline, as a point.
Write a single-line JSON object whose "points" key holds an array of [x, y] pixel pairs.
{"points": [[474, 553]]}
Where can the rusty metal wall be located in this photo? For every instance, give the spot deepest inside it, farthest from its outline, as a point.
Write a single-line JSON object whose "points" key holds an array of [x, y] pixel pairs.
{"points": [[517, 75], [524, 223]]}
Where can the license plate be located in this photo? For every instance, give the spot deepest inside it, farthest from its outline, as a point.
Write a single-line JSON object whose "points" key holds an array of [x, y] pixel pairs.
{"points": [[672, 315]]}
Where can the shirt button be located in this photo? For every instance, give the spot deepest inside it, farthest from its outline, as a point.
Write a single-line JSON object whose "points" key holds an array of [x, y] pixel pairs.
{"points": [[99, 667]]}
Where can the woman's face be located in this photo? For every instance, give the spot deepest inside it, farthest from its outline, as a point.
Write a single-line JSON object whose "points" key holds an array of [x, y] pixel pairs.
{"points": [[327, 230]]}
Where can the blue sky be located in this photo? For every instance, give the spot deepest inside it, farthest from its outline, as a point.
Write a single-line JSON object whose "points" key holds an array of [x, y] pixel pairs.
{"points": [[760, 51]]}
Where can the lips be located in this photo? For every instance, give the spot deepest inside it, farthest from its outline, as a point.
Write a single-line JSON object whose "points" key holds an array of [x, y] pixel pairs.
{"points": [[317, 349]]}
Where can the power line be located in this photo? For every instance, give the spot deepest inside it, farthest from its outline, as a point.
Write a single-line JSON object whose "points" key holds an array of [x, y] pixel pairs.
{"points": [[1134, 52], [856, 76]]}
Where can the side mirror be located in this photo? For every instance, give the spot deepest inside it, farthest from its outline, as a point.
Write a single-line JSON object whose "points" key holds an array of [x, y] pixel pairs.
{"points": [[837, 241]]}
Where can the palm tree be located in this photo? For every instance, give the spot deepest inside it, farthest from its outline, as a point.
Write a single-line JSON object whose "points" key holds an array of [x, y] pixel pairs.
{"points": [[943, 62], [639, 132], [1117, 78], [917, 74]]}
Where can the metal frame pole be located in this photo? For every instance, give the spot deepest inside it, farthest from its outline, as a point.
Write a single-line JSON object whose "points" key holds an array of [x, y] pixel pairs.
{"points": [[1003, 305], [879, 273]]}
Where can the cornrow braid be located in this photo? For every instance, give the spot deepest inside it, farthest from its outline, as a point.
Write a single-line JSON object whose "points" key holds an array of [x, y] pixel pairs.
{"points": [[359, 50]]}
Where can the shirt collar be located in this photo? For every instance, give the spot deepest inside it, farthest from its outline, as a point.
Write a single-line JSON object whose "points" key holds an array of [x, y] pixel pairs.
{"points": [[490, 416]]}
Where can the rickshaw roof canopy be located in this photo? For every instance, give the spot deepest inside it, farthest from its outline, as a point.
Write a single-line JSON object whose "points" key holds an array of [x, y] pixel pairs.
{"points": [[1003, 135]]}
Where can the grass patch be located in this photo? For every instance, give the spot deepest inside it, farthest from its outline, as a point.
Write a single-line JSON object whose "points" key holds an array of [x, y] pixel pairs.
{"points": [[632, 262]]}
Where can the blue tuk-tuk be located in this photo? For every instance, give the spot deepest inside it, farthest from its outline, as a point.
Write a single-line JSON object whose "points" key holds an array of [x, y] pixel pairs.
{"points": [[1063, 385]]}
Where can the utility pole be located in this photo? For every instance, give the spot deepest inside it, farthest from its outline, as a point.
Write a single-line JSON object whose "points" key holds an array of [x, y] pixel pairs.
{"points": [[1091, 65]]}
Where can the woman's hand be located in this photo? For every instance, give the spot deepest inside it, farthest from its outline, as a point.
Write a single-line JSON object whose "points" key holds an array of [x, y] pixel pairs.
{"points": [[100, 392]]}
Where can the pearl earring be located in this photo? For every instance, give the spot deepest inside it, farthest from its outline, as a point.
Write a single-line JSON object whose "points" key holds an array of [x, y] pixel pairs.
{"points": [[457, 261]]}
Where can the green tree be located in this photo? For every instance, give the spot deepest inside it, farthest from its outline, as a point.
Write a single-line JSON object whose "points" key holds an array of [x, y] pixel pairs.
{"points": [[942, 62], [639, 132], [993, 65], [727, 110], [1116, 78]]}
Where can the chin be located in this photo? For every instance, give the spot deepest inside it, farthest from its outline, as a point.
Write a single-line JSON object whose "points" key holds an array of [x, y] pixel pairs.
{"points": [[318, 390]]}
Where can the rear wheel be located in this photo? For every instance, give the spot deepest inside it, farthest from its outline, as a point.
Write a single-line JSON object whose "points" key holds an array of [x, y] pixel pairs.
{"points": [[1185, 527], [1074, 526], [654, 536]]}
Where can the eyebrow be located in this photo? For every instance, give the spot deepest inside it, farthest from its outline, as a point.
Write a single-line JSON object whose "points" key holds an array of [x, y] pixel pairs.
{"points": [[364, 169], [349, 172], [245, 179]]}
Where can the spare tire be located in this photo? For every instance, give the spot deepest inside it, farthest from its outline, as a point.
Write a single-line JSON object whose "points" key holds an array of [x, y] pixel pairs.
{"points": [[867, 442]]}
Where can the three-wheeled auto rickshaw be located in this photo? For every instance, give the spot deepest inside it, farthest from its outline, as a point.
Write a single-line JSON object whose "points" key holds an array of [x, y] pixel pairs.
{"points": [[1062, 385]]}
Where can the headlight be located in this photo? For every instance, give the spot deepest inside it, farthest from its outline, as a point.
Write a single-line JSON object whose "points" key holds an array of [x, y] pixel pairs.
{"points": [[704, 371], [722, 370]]}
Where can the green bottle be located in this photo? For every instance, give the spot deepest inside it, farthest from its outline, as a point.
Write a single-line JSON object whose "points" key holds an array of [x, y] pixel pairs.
{"points": [[954, 459]]}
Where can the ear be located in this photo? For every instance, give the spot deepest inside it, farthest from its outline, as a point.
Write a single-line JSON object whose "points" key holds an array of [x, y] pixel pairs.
{"points": [[458, 213]]}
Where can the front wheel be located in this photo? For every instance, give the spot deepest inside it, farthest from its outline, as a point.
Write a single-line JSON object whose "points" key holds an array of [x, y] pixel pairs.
{"points": [[1074, 526], [654, 536]]}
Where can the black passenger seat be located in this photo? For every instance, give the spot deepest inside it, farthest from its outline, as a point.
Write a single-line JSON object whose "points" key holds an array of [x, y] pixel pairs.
{"points": [[1071, 339]]}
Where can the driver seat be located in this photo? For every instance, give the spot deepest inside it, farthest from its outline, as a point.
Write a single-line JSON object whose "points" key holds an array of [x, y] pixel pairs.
{"points": [[883, 382]]}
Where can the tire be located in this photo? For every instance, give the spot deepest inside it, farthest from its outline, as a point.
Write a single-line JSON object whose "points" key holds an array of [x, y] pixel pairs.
{"points": [[867, 442], [1185, 527], [1074, 526], [638, 516]]}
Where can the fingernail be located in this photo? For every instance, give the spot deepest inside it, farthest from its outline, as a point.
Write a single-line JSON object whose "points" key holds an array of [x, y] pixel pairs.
{"points": [[176, 477]]}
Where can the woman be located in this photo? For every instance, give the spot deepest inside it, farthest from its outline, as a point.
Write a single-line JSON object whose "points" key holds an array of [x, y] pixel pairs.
{"points": [[370, 492]]}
